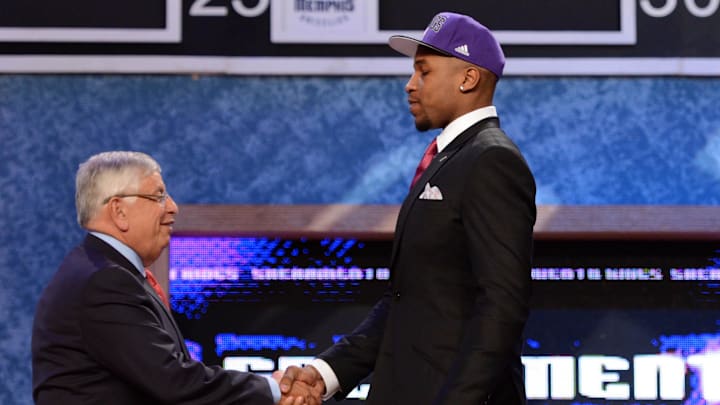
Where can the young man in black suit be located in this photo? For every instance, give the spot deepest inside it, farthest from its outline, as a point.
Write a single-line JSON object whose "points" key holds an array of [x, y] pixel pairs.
{"points": [[448, 330], [102, 333]]}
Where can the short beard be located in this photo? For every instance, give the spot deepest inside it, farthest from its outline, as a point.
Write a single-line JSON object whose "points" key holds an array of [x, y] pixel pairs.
{"points": [[423, 126]]}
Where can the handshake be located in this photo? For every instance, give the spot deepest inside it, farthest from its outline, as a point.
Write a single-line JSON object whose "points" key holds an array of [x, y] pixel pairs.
{"points": [[300, 386]]}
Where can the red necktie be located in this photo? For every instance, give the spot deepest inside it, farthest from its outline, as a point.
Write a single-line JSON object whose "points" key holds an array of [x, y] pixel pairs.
{"points": [[430, 152], [156, 286]]}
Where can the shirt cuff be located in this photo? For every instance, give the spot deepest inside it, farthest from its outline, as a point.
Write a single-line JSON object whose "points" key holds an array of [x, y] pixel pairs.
{"points": [[274, 388], [332, 385]]}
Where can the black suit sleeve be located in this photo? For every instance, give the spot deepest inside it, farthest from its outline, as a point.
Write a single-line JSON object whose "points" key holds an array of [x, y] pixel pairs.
{"points": [[124, 335], [498, 213], [353, 357]]}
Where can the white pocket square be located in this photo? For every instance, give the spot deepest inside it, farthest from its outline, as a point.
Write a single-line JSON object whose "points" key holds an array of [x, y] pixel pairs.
{"points": [[431, 193]]}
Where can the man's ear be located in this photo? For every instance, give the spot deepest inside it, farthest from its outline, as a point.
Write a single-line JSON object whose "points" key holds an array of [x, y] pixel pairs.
{"points": [[118, 214], [472, 78]]}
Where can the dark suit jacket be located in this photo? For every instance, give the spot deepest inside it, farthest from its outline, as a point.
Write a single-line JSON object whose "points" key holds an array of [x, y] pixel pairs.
{"points": [[102, 336], [448, 330]]}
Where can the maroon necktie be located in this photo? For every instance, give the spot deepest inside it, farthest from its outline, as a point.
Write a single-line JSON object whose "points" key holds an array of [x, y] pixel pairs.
{"points": [[430, 152], [156, 286]]}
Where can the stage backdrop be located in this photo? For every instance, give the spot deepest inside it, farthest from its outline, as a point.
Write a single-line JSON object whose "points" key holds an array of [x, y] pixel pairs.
{"points": [[550, 37], [306, 140]]}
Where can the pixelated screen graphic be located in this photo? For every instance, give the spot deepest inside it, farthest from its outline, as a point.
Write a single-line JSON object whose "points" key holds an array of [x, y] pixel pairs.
{"points": [[612, 322]]}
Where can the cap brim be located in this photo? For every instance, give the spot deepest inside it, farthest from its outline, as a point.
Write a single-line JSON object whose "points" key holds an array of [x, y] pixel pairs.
{"points": [[408, 46]]}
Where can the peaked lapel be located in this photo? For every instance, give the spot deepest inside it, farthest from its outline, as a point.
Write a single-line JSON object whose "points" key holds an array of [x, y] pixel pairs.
{"points": [[438, 161]]}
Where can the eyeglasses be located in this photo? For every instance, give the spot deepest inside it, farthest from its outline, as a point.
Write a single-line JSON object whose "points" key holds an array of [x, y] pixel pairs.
{"points": [[152, 197]]}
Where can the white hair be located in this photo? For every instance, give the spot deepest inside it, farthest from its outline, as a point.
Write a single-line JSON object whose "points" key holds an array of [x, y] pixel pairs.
{"points": [[107, 174]]}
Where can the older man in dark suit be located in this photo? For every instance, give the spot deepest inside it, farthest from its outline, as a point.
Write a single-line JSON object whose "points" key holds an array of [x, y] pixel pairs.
{"points": [[102, 333], [448, 330]]}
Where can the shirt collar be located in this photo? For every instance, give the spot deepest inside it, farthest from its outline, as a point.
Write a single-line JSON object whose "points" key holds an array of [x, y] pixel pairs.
{"points": [[461, 123], [123, 249]]}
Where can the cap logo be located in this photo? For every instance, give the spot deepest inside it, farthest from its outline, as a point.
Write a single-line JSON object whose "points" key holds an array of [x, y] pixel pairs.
{"points": [[459, 36], [463, 50], [437, 23]]}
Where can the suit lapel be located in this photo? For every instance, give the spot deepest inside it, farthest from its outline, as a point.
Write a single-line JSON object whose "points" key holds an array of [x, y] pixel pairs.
{"points": [[113, 255], [438, 161], [168, 316]]}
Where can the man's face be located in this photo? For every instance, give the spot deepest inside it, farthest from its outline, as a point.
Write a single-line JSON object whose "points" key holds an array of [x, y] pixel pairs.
{"points": [[150, 222], [432, 89]]}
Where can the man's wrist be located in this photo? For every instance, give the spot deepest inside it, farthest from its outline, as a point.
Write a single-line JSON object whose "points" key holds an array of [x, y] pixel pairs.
{"points": [[274, 388], [332, 385]]}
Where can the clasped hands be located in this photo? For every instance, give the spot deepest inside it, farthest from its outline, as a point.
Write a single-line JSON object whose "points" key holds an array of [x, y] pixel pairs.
{"points": [[300, 386]]}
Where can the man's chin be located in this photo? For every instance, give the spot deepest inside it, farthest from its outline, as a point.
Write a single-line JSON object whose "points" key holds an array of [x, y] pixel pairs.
{"points": [[164, 242], [153, 256], [422, 126]]}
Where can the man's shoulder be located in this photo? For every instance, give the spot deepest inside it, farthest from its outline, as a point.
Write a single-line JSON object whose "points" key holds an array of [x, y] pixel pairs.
{"points": [[491, 137], [87, 259], [487, 140], [491, 143]]}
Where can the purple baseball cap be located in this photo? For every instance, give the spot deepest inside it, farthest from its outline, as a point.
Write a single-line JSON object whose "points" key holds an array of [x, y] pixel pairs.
{"points": [[459, 36]]}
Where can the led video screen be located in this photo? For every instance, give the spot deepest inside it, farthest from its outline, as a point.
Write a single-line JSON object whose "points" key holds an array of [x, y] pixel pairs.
{"points": [[612, 321]]}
